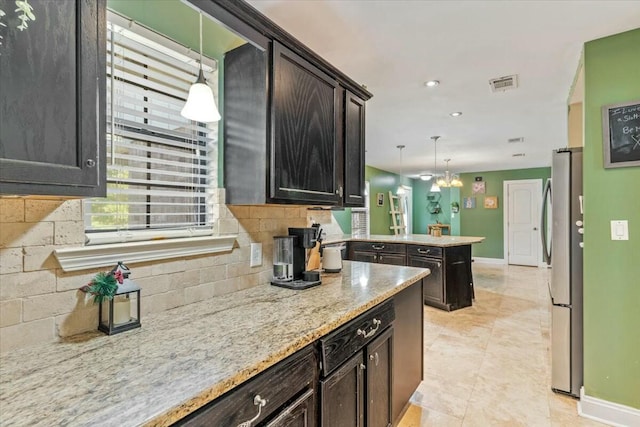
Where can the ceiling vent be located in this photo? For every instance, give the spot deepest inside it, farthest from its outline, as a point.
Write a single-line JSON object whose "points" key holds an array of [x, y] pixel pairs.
{"points": [[518, 155], [504, 83], [515, 140]]}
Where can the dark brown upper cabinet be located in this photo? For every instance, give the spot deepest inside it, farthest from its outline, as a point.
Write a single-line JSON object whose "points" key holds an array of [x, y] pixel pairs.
{"points": [[354, 150], [304, 147], [293, 123], [52, 108]]}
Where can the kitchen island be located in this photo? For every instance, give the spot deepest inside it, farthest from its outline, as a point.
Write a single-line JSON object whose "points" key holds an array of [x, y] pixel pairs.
{"points": [[450, 284], [182, 359]]}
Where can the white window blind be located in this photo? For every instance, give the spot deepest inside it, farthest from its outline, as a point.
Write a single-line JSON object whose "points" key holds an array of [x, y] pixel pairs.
{"points": [[161, 167], [360, 216]]}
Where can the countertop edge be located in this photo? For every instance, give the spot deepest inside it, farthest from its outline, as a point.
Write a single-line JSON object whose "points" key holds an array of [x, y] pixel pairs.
{"points": [[178, 412]]}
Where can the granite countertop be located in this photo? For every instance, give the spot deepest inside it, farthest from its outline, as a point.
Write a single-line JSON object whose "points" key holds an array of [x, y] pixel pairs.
{"points": [[416, 239], [183, 358]]}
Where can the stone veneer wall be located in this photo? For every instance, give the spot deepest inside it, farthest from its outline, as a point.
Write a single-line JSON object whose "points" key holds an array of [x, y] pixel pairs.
{"points": [[39, 302]]}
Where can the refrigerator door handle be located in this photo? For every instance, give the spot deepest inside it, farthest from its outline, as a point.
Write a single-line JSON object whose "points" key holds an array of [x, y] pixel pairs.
{"points": [[546, 245]]}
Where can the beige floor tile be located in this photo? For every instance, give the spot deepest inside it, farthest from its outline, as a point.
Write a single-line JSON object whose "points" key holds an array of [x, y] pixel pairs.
{"points": [[417, 416], [489, 364]]}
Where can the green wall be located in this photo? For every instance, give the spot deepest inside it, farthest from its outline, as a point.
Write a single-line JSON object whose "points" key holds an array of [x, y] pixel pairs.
{"points": [[489, 222], [343, 218], [421, 215], [381, 181], [611, 268]]}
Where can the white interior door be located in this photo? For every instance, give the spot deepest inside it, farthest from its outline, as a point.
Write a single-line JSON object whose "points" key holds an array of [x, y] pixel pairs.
{"points": [[522, 217]]}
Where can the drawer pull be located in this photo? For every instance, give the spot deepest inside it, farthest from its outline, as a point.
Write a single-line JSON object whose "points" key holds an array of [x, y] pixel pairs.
{"points": [[424, 251], [376, 326], [378, 247], [260, 403]]}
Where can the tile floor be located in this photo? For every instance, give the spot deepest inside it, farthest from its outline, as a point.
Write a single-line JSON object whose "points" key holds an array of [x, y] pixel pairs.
{"points": [[489, 365]]}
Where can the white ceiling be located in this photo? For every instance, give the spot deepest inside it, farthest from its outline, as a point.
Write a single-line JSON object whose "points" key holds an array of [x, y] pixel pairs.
{"points": [[394, 46]]}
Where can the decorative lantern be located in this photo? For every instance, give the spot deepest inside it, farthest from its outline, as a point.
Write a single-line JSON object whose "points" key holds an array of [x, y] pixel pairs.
{"points": [[122, 312]]}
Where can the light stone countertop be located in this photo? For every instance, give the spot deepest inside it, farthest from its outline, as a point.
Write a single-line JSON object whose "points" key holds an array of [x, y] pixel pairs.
{"points": [[183, 358], [415, 239]]}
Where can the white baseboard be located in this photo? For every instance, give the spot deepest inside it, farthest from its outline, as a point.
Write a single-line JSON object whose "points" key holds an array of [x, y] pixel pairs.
{"points": [[607, 412], [500, 261]]}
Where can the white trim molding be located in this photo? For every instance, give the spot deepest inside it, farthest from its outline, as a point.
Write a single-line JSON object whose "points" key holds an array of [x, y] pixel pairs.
{"points": [[607, 412], [87, 257], [481, 260]]}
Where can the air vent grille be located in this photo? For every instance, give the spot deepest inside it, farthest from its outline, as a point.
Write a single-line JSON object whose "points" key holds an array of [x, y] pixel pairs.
{"points": [[504, 83], [515, 140], [518, 155]]}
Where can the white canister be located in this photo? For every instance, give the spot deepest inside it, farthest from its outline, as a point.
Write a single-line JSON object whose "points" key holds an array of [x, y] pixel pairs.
{"points": [[332, 259]]}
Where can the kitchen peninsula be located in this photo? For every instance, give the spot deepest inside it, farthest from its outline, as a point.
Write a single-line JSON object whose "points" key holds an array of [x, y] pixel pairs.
{"points": [[185, 358], [450, 284]]}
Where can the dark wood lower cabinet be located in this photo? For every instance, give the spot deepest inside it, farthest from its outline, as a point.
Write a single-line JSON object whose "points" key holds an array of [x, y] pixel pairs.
{"points": [[362, 374], [408, 350], [359, 393], [284, 395], [342, 395], [433, 283], [379, 384]]}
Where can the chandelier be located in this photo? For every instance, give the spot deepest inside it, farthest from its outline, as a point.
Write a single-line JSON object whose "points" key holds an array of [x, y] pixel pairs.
{"points": [[448, 179]]}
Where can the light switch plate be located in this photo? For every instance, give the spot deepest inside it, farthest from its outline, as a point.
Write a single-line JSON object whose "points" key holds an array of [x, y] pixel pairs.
{"points": [[256, 255], [620, 230]]}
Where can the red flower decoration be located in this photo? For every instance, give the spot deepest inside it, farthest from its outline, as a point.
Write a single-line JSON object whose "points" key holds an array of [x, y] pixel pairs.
{"points": [[118, 276]]}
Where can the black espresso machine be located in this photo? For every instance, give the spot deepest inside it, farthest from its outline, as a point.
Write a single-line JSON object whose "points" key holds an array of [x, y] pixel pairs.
{"points": [[290, 257]]}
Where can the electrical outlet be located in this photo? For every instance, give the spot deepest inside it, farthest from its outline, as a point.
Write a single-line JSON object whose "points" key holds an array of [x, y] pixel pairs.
{"points": [[256, 255]]}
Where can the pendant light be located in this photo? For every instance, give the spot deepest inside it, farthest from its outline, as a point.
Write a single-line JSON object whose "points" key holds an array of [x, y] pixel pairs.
{"points": [[200, 105], [449, 179], [434, 187], [400, 191]]}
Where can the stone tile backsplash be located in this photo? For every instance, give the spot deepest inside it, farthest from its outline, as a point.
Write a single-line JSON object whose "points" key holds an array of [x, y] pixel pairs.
{"points": [[39, 302]]}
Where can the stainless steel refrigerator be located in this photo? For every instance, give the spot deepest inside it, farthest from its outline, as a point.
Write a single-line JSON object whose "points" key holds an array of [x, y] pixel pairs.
{"points": [[563, 252]]}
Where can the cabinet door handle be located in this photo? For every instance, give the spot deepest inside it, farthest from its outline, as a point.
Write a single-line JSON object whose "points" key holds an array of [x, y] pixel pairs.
{"points": [[339, 191], [260, 403], [376, 326], [91, 163], [378, 247], [424, 251], [375, 358], [362, 367]]}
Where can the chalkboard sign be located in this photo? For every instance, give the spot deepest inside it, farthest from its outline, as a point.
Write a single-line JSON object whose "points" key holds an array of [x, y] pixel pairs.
{"points": [[621, 132]]}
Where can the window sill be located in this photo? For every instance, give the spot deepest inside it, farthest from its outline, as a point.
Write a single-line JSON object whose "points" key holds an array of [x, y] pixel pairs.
{"points": [[88, 257]]}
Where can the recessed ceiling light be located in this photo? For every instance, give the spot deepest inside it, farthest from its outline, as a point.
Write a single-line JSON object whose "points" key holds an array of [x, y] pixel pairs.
{"points": [[456, 114], [432, 83]]}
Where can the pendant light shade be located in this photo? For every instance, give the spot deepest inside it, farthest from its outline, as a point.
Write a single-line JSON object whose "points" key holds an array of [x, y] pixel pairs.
{"points": [[400, 191], [200, 105]]}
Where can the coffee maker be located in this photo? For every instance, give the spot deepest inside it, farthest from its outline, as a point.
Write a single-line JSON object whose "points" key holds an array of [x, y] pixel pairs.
{"points": [[290, 256]]}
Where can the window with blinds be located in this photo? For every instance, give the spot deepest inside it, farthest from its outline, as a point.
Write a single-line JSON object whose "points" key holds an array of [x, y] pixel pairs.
{"points": [[161, 167], [360, 216]]}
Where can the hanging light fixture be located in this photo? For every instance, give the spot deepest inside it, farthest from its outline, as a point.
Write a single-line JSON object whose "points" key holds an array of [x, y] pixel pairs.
{"points": [[449, 179], [400, 191], [200, 105], [426, 177], [434, 187]]}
